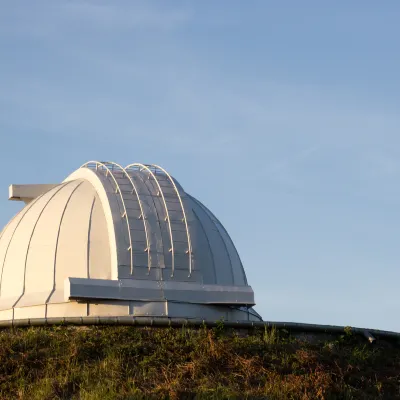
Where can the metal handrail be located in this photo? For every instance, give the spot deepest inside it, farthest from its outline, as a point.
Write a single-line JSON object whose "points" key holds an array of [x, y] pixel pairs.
{"points": [[183, 212], [118, 189], [143, 166], [141, 211]]}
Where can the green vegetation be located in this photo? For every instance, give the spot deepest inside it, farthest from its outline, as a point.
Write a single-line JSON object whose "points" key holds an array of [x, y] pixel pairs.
{"points": [[139, 363]]}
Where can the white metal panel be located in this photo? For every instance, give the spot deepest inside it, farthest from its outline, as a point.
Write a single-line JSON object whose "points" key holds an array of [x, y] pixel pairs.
{"points": [[239, 276], [203, 257], [37, 311], [6, 237], [109, 309], [71, 309], [115, 226], [6, 314], [71, 257], [15, 261], [141, 308], [99, 247], [42, 251], [222, 264]]}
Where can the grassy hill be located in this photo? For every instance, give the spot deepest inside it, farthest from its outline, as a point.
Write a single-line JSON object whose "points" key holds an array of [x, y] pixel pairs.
{"points": [[116, 362]]}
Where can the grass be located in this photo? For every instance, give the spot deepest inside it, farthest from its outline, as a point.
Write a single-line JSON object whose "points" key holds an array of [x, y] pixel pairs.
{"points": [[144, 363]]}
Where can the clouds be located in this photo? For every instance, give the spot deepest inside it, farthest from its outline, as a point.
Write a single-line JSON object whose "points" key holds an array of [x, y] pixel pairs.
{"points": [[79, 16], [125, 15]]}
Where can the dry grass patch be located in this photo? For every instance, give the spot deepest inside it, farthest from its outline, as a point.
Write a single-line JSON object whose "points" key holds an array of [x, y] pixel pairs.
{"points": [[135, 363]]}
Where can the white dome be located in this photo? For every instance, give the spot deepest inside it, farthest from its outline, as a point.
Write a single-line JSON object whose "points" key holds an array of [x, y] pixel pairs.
{"points": [[118, 241]]}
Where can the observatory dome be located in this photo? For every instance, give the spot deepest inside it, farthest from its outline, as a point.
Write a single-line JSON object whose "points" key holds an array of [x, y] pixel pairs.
{"points": [[114, 241]]}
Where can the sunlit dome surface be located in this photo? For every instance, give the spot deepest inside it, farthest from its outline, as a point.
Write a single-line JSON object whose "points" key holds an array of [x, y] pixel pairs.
{"points": [[113, 241]]}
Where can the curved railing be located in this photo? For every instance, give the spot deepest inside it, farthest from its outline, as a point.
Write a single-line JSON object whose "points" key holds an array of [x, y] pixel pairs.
{"points": [[98, 164], [369, 334], [143, 215], [189, 251], [141, 167]]}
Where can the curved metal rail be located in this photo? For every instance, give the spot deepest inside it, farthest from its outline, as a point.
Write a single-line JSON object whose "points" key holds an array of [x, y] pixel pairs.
{"points": [[98, 164], [369, 334], [183, 212], [143, 166], [147, 249]]}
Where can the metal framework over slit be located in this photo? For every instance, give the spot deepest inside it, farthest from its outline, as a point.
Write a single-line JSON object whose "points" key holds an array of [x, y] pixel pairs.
{"points": [[183, 213], [140, 167], [95, 165], [144, 217]]}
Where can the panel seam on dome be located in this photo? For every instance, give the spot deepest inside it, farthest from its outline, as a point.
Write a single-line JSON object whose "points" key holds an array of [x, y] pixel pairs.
{"points": [[208, 243], [141, 211], [88, 239], [30, 238], [27, 208], [223, 241], [8, 224], [117, 190], [57, 240], [156, 211], [184, 216], [166, 210], [228, 238]]}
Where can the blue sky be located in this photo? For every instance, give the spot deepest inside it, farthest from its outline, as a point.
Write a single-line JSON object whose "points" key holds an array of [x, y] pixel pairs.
{"points": [[282, 117]]}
